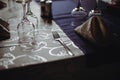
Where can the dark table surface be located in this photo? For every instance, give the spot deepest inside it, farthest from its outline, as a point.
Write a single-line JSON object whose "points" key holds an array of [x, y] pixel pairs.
{"points": [[62, 15], [94, 53]]}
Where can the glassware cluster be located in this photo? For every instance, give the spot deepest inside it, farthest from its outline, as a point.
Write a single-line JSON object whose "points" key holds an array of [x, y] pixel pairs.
{"points": [[81, 13]]}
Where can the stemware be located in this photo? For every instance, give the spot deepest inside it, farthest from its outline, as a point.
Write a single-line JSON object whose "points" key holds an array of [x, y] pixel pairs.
{"points": [[26, 30], [11, 5], [96, 11], [31, 16], [11, 10], [78, 12]]}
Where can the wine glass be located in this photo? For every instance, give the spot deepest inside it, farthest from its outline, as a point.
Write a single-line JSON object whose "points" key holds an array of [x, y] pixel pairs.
{"points": [[31, 16], [26, 30], [11, 10], [11, 5], [96, 11], [78, 12]]}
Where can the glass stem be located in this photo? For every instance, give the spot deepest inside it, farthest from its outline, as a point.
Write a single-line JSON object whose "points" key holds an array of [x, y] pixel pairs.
{"points": [[14, 1], [28, 9], [9, 5], [96, 4], [78, 4], [24, 11]]}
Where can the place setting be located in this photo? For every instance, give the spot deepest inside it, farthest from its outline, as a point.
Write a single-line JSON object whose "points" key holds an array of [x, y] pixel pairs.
{"points": [[34, 39]]}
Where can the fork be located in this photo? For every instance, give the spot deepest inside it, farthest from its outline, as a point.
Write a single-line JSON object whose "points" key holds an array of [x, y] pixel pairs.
{"points": [[56, 37]]}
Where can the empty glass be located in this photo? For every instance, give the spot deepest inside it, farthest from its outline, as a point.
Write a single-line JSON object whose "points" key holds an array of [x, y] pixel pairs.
{"points": [[11, 10], [78, 12], [96, 11], [11, 5], [26, 30], [31, 16]]}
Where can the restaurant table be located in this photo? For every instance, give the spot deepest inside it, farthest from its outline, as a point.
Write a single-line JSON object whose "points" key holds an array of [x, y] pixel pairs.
{"points": [[62, 16], [13, 58], [95, 56], [50, 62]]}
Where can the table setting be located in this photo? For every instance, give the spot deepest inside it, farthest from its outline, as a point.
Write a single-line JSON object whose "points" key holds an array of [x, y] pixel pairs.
{"points": [[53, 48], [46, 47]]}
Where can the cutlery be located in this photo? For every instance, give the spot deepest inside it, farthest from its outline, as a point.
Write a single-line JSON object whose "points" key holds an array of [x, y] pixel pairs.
{"points": [[56, 37]]}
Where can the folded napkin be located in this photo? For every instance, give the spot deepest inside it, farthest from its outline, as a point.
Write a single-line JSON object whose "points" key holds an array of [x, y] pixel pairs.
{"points": [[95, 31], [4, 30]]}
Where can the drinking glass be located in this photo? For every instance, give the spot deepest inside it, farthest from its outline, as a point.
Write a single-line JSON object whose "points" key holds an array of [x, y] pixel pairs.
{"points": [[78, 12], [31, 16], [96, 11], [26, 30], [11, 10], [11, 5]]}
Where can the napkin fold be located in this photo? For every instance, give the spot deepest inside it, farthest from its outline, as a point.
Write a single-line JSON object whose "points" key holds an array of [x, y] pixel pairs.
{"points": [[95, 31], [4, 30]]}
